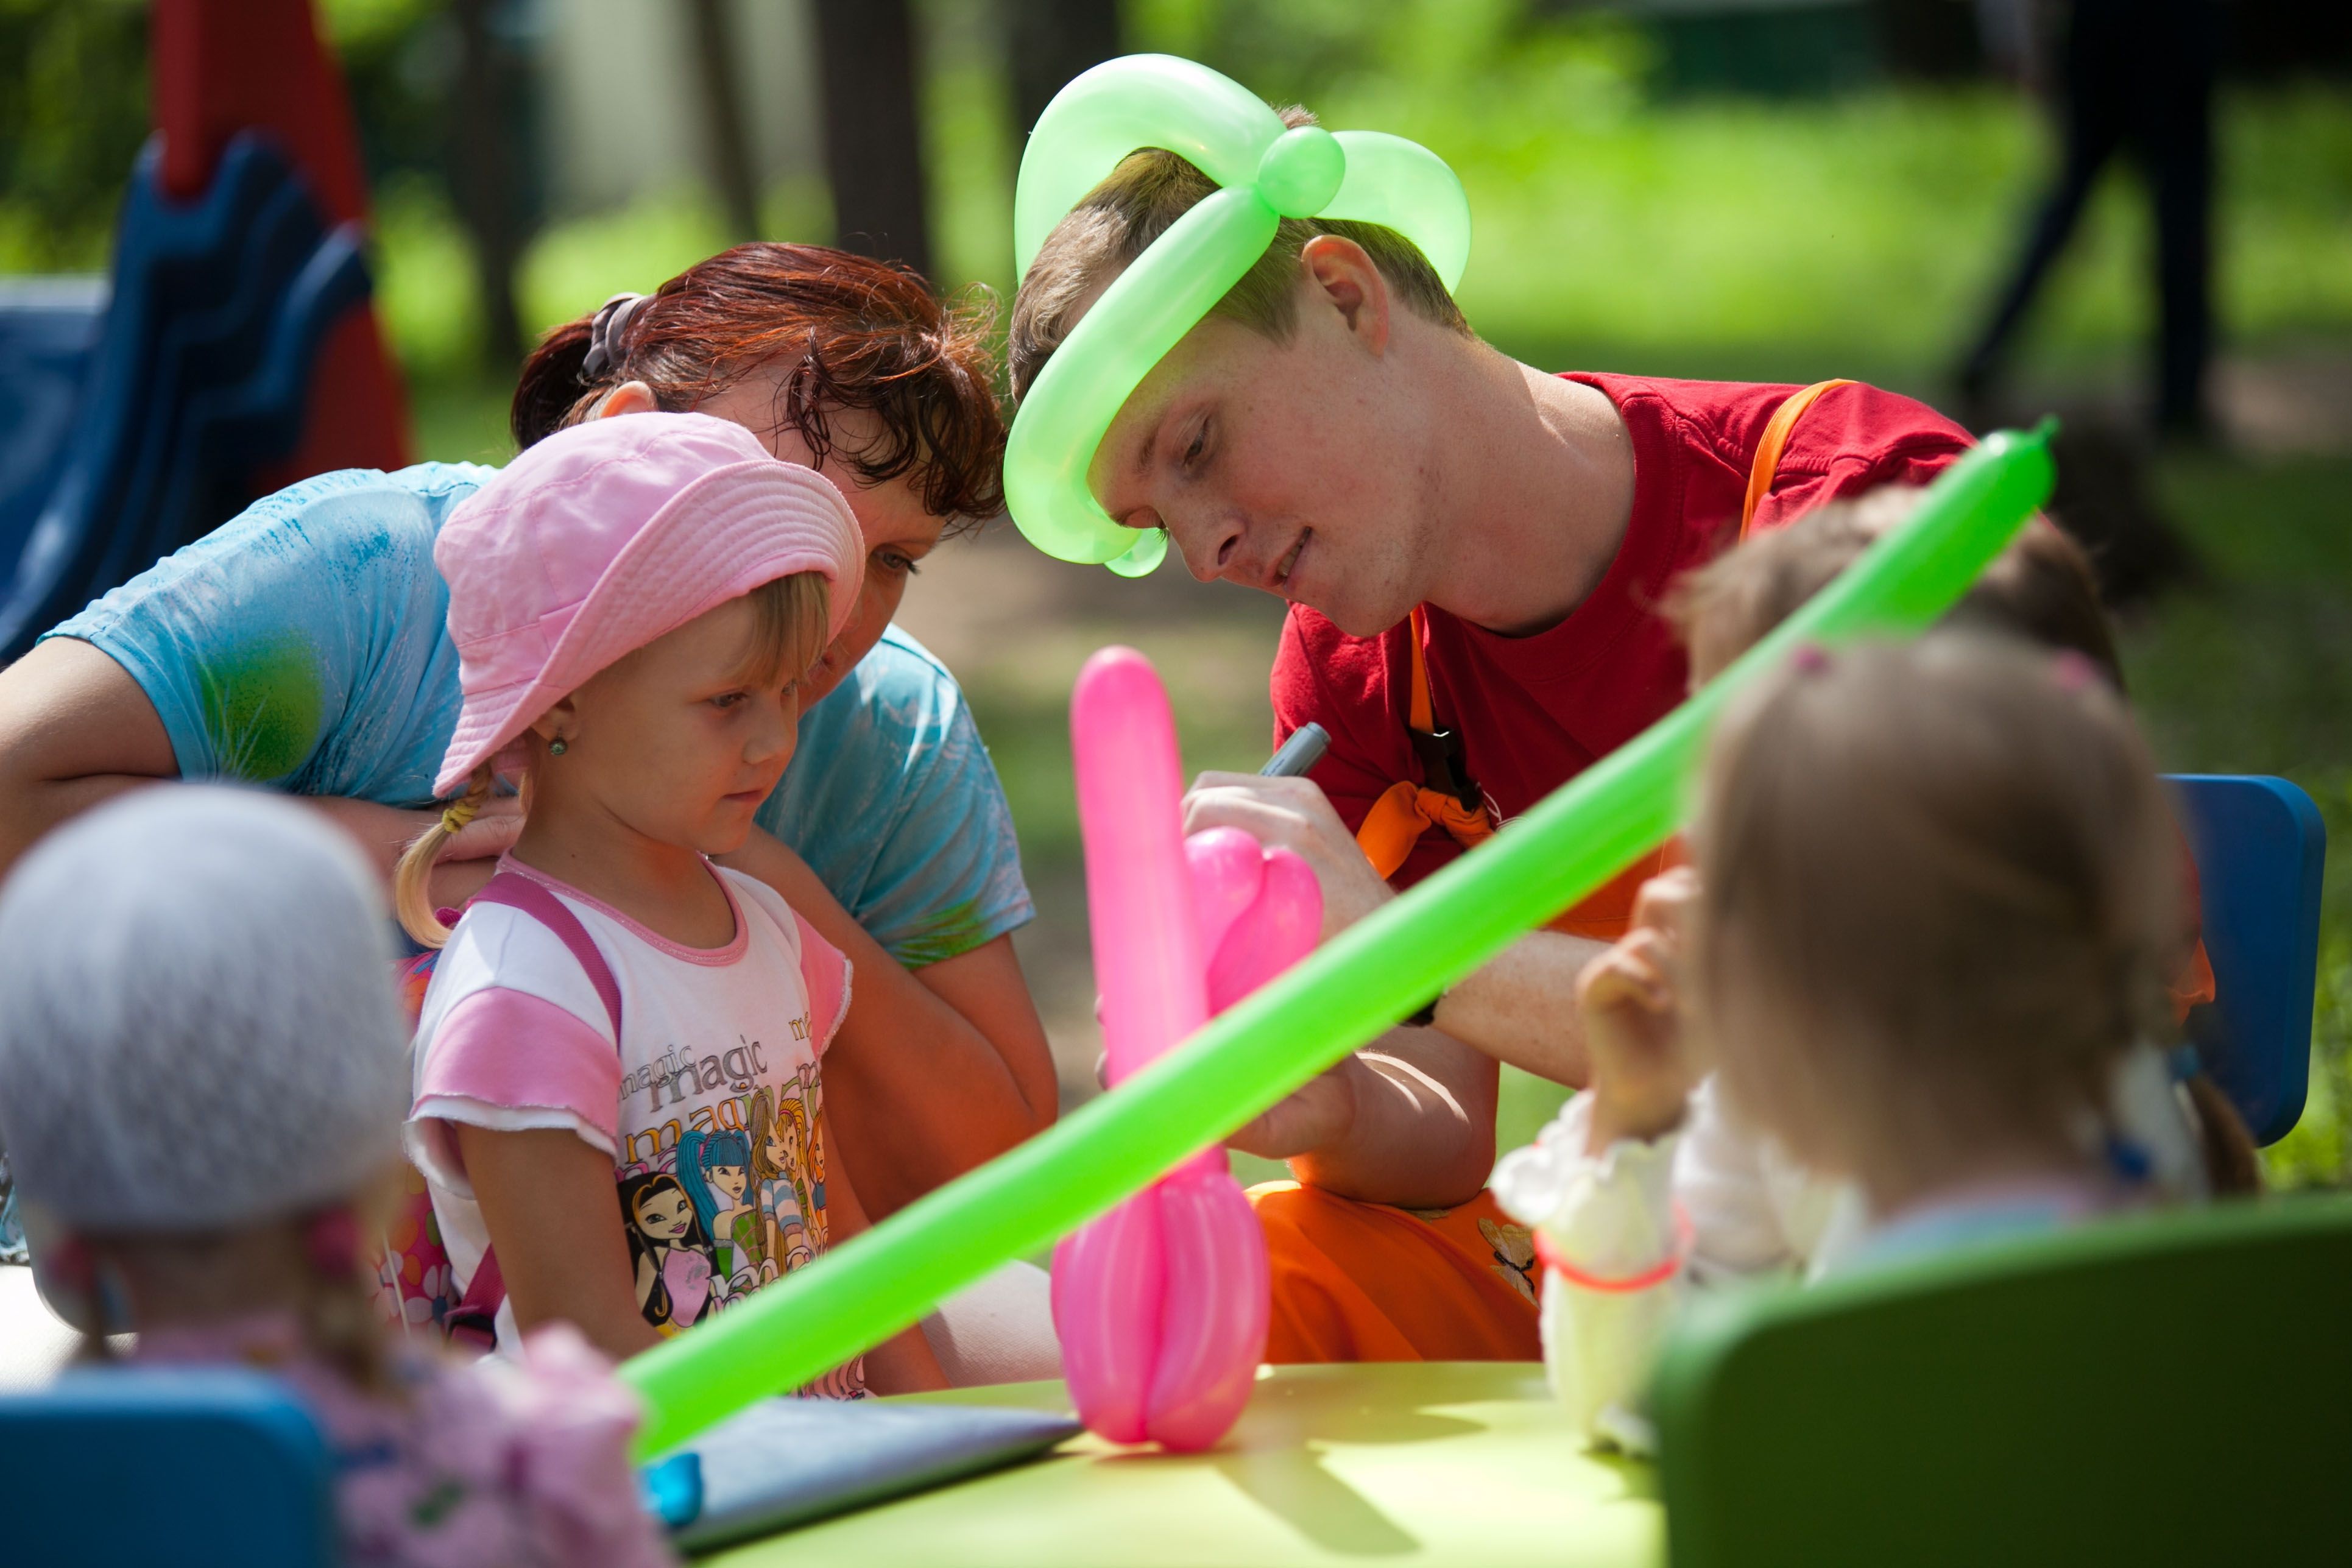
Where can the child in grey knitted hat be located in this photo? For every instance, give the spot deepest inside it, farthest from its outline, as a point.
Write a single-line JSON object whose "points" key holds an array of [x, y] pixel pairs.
{"points": [[203, 1073]]}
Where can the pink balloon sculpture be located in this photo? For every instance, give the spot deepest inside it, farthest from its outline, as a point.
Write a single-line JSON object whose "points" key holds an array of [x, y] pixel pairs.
{"points": [[1161, 1303]]}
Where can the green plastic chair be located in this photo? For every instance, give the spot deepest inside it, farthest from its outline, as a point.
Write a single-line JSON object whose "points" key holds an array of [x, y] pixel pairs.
{"points": [[2167, 1390]]}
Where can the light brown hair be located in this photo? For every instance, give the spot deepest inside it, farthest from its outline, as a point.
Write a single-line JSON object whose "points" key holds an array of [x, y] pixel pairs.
{"points": [[1937, 900], [787, 633], [2042, 587], [1148, 191]]}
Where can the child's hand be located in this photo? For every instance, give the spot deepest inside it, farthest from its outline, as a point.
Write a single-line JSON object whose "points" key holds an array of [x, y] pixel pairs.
{"points": [[1642, 1068], [1664, 902]]}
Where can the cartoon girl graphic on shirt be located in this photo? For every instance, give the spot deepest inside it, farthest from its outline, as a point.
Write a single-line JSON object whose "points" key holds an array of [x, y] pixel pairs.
{"points": [[813, 1095], [667, 1251], [716, 1169], [777, 1143]]}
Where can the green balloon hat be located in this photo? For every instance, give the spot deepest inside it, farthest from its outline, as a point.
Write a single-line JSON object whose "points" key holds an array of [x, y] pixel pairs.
{"points": [[1267, 173]]}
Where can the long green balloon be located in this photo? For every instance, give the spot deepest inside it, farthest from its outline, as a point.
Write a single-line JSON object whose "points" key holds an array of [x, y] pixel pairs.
{"points": [[1357, 985]]}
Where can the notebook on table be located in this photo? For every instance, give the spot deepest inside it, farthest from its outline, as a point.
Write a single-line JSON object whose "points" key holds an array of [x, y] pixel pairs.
{"points": [[787, 1462]]}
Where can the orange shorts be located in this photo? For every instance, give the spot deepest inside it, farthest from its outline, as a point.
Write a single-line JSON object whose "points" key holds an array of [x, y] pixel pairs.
{"points": [[1356, 1282]]}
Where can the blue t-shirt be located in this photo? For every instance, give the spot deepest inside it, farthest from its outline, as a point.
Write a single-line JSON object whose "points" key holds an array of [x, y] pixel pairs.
{"points": [[304, 645]]}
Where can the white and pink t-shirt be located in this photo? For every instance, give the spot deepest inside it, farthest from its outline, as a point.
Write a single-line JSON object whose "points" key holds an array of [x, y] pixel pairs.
{"points": [[707, 1103]]}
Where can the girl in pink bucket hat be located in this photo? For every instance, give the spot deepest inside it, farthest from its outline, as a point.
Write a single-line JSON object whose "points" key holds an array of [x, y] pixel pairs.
{"points": [[634, 602]]}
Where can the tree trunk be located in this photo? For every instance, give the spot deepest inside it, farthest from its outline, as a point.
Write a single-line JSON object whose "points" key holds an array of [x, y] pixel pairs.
{"points": [[484, 177], [1050, 41], [722, 117], [873, 129]]}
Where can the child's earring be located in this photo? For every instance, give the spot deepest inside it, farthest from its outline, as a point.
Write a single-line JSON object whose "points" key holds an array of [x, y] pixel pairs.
{"points": [[557, 747]]}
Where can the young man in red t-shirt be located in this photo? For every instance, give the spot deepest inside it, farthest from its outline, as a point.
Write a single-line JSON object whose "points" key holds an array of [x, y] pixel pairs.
{"points": [[1335, 434]]}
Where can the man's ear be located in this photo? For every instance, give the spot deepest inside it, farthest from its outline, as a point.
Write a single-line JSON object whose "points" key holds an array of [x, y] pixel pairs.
{"points": [[1342, 276], [629, 397]]}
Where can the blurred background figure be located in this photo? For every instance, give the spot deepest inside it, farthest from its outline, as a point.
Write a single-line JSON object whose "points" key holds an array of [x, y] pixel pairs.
{"points": [[2135, 78]]}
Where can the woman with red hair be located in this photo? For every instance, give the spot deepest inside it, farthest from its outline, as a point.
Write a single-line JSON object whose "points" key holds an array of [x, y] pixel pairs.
{"points": [[302, 646]]}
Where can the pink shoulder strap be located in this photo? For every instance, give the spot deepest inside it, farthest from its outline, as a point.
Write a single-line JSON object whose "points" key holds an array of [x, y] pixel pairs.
{"points": [[475, 1314], [517, 892]]}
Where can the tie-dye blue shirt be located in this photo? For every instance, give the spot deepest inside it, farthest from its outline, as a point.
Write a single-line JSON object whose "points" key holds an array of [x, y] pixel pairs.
{"points": [[304, 645]]}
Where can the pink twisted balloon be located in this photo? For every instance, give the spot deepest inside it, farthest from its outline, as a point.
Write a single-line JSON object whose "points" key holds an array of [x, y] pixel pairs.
{"points": [[1161, 1303]]}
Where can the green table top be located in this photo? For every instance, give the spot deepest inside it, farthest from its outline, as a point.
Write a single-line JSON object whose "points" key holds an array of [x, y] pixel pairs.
{"points": [[1422, 1463]]}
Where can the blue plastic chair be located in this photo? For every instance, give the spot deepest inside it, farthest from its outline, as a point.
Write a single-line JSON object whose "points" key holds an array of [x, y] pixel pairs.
{"points": [[151, 1466], [198, 378], [2260, 848]]}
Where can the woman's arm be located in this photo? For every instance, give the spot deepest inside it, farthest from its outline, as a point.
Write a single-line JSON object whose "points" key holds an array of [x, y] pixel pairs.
{"points": [[76, 730], [935, 1070], [547, 1200], [904, 1362]]}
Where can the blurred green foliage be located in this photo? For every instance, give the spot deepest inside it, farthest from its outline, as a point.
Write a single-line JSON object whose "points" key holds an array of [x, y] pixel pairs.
{"points": [[1859, 229], [73, 111]]}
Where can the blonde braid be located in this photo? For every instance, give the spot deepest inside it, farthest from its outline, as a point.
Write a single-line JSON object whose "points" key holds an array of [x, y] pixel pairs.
{"points": [[412, 881]]}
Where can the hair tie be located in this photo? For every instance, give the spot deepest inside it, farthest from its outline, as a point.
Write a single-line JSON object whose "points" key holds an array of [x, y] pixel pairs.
{"points": [[454, 820], [604, 334]]}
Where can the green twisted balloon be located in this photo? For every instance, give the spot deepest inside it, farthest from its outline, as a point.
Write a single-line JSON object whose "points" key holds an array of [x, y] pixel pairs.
{"points": [[1268, 172]]}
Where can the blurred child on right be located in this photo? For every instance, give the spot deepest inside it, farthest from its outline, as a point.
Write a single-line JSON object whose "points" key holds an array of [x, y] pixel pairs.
{"points": [[1934, 907], [2041, 588]]}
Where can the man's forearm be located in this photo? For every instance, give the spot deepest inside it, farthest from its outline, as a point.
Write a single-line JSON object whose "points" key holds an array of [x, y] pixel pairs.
{"points": [[1419, 1130], [1422, 1132], [1520, 1007]]}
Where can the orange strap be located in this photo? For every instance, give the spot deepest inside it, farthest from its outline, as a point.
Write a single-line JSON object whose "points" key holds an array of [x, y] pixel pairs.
{"points": [[1421, 715], [1767, 450], [1406, 810]]}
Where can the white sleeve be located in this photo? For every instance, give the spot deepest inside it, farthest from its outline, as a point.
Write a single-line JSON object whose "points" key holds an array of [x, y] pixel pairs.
{"points": [[512, 1038], [1609, 1218], [1725, 1177]]}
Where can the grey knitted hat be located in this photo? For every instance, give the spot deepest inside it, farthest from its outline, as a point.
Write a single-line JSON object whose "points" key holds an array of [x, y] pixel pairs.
{"points": [[198, 1028]]}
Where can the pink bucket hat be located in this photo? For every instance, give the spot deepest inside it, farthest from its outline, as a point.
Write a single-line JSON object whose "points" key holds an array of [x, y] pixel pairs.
{"points": [[609, 534]]}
